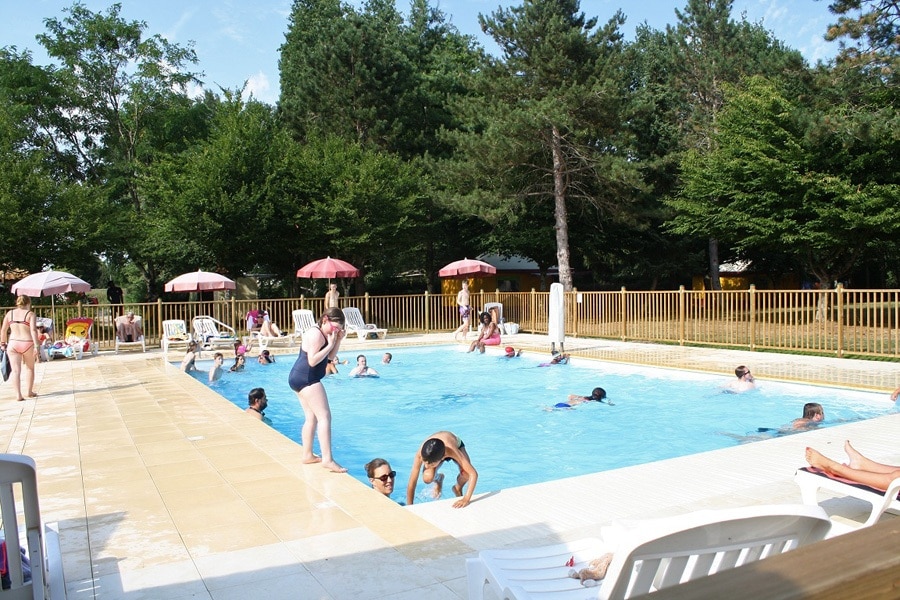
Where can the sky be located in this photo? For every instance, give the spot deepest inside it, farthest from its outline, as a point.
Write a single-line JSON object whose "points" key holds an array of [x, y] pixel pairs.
{"points": [[239, 40]]}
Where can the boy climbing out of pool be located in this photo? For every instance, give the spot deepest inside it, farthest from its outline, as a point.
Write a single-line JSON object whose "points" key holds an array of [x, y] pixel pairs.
{"points": [[440, 447]]}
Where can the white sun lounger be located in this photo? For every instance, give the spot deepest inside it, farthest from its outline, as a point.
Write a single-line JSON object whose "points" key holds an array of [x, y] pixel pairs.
{"points": [[212, 332], [356, 324], [650, 555], [810, 481], [303, 320]]}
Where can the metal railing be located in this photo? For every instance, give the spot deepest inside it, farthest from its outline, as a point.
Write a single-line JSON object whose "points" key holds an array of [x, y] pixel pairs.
{"points": [[835, 322]]}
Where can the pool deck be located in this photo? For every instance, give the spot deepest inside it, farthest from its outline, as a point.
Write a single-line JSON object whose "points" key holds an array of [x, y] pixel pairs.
{"points": [[164, 490]]}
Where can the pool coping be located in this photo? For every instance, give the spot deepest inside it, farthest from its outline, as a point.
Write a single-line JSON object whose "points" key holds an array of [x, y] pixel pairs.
{"points": [[162, 488]]}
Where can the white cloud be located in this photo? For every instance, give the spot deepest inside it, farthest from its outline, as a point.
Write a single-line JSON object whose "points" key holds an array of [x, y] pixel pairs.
{"points": [[258, 85]]}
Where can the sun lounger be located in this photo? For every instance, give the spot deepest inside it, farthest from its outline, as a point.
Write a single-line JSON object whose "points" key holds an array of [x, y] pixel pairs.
{"points": [[811, 480], [211, 332], [77, 340], [120, 343], [175, 334], [650, 555], [18, 474], [356, 324]]}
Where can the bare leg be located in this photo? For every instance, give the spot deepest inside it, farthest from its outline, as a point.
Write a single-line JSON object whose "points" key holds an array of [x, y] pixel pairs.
{"points": [[879, 480], [314, 398], [858, 461], [461, 480], [28, 365], [15, 373], [307, 432]]}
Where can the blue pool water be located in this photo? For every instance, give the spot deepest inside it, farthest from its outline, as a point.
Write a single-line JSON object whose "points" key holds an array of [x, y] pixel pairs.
{"points": [[499, 407]]}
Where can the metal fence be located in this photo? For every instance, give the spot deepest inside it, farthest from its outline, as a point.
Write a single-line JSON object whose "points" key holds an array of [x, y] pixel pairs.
{"points": [[835, 322]]}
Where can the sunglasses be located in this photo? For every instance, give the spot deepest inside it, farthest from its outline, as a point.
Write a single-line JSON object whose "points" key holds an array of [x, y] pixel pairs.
{"points": [[386, 476]]}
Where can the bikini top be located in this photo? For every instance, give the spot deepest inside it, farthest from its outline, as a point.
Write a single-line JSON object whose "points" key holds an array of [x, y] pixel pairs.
{"points": [[24, 321]]}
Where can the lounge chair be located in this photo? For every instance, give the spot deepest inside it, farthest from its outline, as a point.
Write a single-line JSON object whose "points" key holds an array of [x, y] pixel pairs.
{"points": [[356, 324], [211, 332], [650, 555], [265, 341], [133, 343], [175, 333], [303, 319], [810, 480], [495, 309], [17, 473], [76, 341]]}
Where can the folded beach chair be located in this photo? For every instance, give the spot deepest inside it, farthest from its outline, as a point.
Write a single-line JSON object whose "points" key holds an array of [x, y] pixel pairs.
{"points": [[648, 555], [211, 332], [76, 341], [133, 343], [175, 334], [811, 480], [356, 324], [32, 560]]}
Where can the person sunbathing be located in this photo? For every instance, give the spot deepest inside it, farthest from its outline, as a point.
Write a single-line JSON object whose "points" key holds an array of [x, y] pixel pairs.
{"points": [[860, 469]]}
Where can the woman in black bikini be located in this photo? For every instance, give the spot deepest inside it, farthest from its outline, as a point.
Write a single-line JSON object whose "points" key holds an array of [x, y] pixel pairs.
{"points": [[320, 344], [23, 346]]}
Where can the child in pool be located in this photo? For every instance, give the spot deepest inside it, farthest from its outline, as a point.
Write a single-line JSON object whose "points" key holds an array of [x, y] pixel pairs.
{"points": [[597, 395], [438, 448]]}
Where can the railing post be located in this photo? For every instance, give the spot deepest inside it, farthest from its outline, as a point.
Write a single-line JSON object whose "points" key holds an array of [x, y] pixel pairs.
{"points": [[159, 319], [366, 307], [681, 323], [624, 301], [233, 320], [574, 305], [427, 312], [752, 316], [839, 291], [533, 310]]}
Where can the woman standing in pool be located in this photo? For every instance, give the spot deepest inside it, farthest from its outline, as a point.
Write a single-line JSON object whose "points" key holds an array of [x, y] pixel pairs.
{"points": [[320, 345]]}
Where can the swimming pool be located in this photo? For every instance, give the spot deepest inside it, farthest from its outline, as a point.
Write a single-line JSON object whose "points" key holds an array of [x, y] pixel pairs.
{"points": [[499, 407]]}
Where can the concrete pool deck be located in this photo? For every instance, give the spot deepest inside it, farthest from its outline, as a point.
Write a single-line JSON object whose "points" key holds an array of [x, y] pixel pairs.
{"points": [[164, 490]]}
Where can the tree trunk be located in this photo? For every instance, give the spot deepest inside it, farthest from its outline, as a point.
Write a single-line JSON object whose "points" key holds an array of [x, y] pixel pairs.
{"points": [[714, 282], [560, 214]]}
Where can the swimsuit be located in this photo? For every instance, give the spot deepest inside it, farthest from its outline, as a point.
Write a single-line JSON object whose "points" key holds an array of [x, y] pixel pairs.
{"points": [[562, 405], [302, 374], [494, 340], [464, 312], [20, 346]]}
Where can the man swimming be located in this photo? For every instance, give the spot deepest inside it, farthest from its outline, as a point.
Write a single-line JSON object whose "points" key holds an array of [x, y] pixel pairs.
{"points": [[440, 447], [597, 395]]}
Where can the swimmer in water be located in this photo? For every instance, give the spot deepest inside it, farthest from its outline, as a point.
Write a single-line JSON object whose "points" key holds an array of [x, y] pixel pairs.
{"points": [[597, 395]]}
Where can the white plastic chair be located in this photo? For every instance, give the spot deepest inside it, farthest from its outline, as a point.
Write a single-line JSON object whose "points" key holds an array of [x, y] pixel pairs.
{"points": [[303, 319], [175, 333], [211, 332], [811, 481], [356, 324], [651, 555], [42, 546], [138, 342]]}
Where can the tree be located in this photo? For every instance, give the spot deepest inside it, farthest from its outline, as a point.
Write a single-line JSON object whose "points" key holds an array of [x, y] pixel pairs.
{"points": [[874, 31], [769, 187], [545, 121], [103, 94]]}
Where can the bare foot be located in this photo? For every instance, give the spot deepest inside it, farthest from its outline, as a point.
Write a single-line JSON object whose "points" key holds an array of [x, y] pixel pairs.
{"points": [[854, 455], [308, 460], [32, 395], [457, 490], [438, 486], [334, 467], [20, 399], [817, 460]]}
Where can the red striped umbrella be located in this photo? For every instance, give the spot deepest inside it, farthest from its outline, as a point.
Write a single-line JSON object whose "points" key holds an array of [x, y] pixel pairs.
{"points": [[327, 268], [467, 267]]}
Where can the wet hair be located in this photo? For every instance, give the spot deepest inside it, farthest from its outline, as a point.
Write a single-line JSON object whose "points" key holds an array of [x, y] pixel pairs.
{"points": [[256, 396], [485, 314], [741, 371], [811, 409], [218, 355], [598, 394], [23, 302], [374, 464], [333, 314], [359, 356], [433, 450]]}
